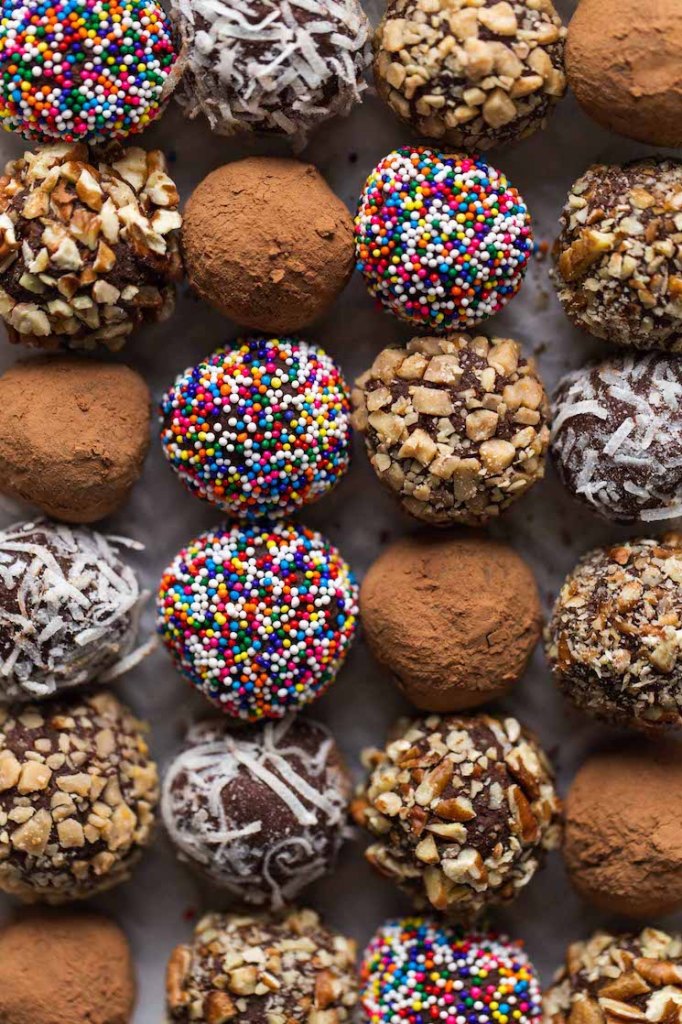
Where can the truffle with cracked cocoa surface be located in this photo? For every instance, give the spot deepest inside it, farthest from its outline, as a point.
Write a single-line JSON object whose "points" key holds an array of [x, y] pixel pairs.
{"points": [[74, 434], [454, 619]]}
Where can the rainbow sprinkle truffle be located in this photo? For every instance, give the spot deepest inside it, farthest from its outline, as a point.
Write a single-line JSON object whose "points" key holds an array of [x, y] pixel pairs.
{"points": [[259, 428], [259, 619], [418, 971], [83, 69], [443, 241]]}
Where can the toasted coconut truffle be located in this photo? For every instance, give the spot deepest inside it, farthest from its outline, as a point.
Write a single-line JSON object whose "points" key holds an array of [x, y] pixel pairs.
{"points": [[88, 245], [463, 811], [614, 640], [456, 427]]}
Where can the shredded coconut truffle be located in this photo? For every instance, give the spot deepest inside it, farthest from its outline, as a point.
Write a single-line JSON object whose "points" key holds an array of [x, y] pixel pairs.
{"points": [[471, 76], [69, 609], [260, 813], [619, 255], [88, 245], [271, 66], [264, 970], [627, 977], [463, 810], [615, 638], [617, 436], [456, 427]]}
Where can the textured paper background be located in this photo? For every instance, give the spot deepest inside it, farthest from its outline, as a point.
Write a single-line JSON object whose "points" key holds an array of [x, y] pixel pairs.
{"points": [[156, 906]]}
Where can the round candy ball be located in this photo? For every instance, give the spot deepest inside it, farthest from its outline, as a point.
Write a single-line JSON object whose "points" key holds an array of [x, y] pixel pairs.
{"points": [[261, 813], [267, 243], [91, 976], [443, 241], [456, 427], [623, 64], [83, 69], [617, 436], [259, 428], [259, 66], [262, 969], [462, 810], [69, 609], [618, 264], [259, 619], [471, 76], [90, 245], [614, 641], [416, 970], [78, 792], [622, 841]]}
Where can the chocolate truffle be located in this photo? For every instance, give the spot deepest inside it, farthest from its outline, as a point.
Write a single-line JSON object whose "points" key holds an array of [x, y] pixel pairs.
{"points": [[259, 428], [73, 435], [69, 609], [89, 245], [618, 259], [462, 811], [77, 797], [263, 969], [455, 426], [617, 436], [443, 241], [471, 976], [614, 640], [454, 619], [261, 813], [258, 618], [66, 967], [471, 76], [268, 243], [624, 830], [638, 975], [262, 66], [623, 64]]}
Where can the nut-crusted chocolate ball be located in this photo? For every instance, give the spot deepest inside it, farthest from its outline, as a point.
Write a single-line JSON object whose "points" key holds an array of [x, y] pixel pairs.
{"points": [[618, 259], [463, 810], [615, 639], [263, 970], [456, 427], [77, 797], [471, 76], [88, 245], [263, 66], [69, 609], [636, 976], [260, 813], [617, 436]]}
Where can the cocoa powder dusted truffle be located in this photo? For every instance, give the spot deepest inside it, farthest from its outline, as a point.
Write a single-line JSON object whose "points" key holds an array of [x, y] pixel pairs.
{"points": [[453, 619], [471, 76], [260, 813], [88, 245], [263, 970], [630, 976], [614, 640], [456, 427], [618, 259], [623, 844], [623, 64], [69, 609], [463, 810], [262, 66], [267, 243], [90, 978], [77, 796], [617, 436], [74, 434]]}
